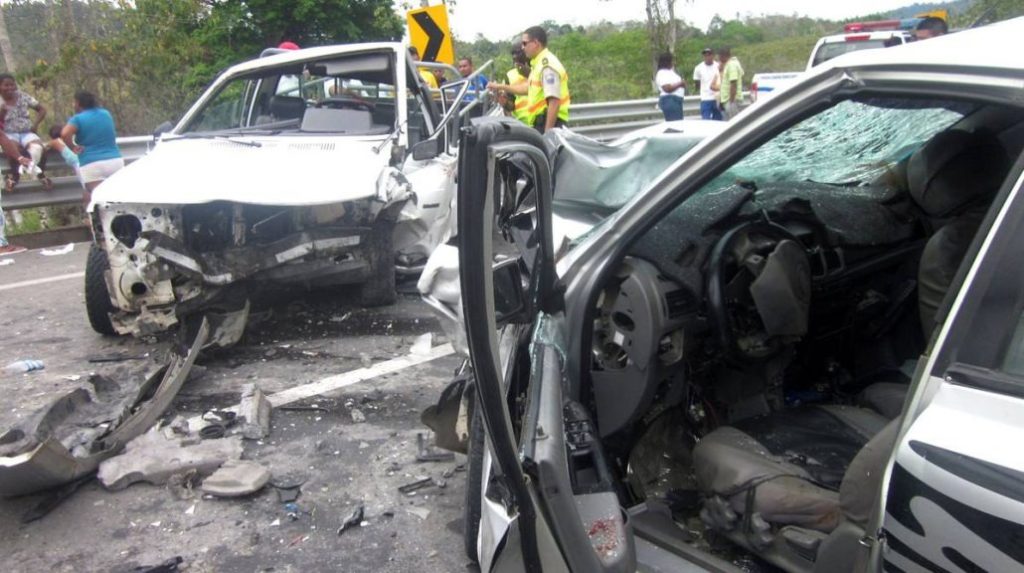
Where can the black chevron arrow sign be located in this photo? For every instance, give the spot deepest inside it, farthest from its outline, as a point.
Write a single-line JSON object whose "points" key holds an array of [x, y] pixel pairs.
{"points": [[435, 35]]}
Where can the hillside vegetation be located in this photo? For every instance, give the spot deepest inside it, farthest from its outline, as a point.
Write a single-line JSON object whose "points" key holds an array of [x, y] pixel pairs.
{"points": [[149, 59]]}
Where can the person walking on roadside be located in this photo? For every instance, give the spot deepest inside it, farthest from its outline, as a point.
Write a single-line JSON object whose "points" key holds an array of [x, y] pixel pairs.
{"points": [[91, 135], [547, 96], [671, 89], [706, 75], [732, 83]]}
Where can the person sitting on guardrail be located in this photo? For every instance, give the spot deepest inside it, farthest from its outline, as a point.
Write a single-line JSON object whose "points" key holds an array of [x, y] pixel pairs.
{"points": [[90, 133], [19, 127]]}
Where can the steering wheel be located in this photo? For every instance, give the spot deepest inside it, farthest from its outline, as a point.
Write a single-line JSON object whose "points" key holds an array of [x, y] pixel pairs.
{"points": [[759, 289], [346, 102]]}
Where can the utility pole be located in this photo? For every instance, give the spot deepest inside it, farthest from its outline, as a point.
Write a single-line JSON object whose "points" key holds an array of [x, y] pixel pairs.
{"points": [[5, 44]]}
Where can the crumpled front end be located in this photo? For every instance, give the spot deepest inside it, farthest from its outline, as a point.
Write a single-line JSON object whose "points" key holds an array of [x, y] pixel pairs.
{"points": [[169, 261]]}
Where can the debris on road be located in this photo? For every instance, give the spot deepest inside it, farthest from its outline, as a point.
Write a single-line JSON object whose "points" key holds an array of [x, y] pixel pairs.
{"points": [[169, 566], [354, 519], [424, 453], [420, 512], [422, 345], [70, 437], [23, 366], [119, 357], [5, 262], [357, 416], [254, 413], [416, 485], [58, 251], [236, 478], [153, 458]]}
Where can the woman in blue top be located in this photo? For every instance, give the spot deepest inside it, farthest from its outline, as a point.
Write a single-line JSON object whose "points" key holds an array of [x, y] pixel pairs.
{"points": [[90, 133]]}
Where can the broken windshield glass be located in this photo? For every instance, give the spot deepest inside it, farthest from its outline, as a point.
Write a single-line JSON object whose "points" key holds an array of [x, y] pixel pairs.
{"points": [[848, 144]]}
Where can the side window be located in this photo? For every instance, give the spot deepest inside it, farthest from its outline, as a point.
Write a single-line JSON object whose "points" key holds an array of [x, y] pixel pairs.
{"points": [[987, 333], [227, 110], [420, 124]]}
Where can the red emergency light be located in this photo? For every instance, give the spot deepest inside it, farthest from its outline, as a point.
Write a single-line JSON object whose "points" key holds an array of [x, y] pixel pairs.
{"points": [[858, 38]]}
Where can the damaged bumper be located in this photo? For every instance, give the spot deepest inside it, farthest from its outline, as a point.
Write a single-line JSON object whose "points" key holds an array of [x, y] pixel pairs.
{"points": [[168, 261]]}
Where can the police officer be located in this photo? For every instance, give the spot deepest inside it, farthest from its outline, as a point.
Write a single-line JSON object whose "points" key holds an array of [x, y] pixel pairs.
{"points": [[547, 95], [512, 95]]}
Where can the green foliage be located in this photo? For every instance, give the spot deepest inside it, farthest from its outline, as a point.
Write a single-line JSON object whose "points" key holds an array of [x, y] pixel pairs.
{"points": [[147, 60]]}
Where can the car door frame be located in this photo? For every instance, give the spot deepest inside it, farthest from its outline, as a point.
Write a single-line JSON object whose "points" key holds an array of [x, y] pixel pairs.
{"points": [[958, 372]]}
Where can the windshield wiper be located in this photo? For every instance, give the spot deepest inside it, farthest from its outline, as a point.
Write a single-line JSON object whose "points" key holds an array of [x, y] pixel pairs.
{"points": [[225, 136]]}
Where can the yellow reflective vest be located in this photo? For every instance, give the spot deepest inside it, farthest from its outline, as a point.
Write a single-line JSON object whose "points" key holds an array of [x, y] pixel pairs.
{"points": [[519, 112], [536, 101]]}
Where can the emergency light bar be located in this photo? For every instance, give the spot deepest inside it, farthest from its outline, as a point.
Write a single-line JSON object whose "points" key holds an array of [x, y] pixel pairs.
{"points": [[882, 25]]}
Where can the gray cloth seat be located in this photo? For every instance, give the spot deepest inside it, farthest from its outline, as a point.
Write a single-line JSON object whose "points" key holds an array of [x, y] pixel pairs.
{"points": [[885, 398], [784, 468], [952, 179]]}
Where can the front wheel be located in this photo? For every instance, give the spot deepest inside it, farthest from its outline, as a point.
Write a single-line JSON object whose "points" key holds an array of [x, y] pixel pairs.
{"points": [[97, 297]]}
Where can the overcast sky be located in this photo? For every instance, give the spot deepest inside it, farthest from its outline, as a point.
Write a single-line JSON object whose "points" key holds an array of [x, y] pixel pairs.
{"points": [[472, 17]]}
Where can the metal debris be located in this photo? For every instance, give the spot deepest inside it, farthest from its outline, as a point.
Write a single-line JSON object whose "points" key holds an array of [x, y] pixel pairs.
{"points": [[424, 453], [416, 485], [354, 519]]}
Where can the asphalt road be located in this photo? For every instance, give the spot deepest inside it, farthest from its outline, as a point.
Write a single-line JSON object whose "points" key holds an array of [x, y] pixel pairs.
{"points": [[296, 339]]}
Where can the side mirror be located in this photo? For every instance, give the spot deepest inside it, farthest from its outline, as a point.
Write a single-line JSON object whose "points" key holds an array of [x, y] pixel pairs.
{"points": [[427, 149], [162, 129], [509, 295]]}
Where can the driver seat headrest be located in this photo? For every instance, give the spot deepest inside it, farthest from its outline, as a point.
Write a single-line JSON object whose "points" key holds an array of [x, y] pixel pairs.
{"points": [[954, 169]]}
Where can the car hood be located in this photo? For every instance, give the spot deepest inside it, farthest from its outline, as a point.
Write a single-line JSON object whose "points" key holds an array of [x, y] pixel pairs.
{"points": [[279, 171]]}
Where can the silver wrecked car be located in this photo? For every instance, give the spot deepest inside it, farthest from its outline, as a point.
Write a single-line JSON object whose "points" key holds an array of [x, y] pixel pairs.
{"points": [[801, 344], [322, 166]]}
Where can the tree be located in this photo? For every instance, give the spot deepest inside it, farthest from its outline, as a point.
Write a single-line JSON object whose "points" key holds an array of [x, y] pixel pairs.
{"points": [[5, 44]]}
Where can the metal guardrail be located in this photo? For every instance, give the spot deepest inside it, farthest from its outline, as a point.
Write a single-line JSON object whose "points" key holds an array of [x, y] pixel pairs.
{"points": [[602, 121], [66, 190]]}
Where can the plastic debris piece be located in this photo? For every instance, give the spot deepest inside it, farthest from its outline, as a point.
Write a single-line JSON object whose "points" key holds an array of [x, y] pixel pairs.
{"points": [[254, 413], [237, 478], [422, 345], [420, 512], [5, 262], [22, 366], [58, 251]]}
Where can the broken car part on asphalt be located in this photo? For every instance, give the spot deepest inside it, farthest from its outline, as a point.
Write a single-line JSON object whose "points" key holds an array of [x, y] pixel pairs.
{"points": [[71, 437], [424, 453]]}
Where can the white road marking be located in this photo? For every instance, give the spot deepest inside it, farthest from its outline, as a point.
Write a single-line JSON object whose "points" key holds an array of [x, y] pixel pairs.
{"points": [[34, 282], [339, 381]]}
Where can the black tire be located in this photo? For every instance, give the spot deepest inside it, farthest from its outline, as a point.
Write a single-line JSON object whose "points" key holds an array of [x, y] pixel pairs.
{"points": [[379, 288], [474, 489], [97, 298]]}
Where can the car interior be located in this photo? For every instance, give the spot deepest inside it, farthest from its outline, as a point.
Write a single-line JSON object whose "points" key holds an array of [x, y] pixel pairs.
{"points": [[752, 354]]}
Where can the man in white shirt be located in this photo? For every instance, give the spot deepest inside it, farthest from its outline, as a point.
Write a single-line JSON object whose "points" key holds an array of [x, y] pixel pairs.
{"points": [[707, 76]]}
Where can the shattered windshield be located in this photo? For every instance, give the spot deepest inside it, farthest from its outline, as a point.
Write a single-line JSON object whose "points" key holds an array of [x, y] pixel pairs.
{"points": [[852, 143], [351, 94]]}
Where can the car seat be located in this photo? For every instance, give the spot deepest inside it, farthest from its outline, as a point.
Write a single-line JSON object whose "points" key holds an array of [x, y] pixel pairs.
{"points": [[287, 107]]}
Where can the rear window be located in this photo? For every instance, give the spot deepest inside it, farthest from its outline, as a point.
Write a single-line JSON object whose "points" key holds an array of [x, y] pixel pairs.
{"points": [[831, 50]]}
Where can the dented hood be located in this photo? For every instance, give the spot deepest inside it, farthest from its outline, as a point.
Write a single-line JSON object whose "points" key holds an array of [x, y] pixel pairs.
{"points": [[278, 170]]}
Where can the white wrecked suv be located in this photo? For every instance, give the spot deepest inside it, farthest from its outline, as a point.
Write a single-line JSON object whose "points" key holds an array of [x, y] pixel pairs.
{"points": [[314, 167]]}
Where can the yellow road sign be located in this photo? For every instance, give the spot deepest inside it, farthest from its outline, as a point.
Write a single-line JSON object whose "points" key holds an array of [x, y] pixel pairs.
{"points": [[428, 31]]}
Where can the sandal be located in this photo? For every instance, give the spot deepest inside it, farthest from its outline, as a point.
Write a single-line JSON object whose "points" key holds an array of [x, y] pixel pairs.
{"points": [[45, 180]]}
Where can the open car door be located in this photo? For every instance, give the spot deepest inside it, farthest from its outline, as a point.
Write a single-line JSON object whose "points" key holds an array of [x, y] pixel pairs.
{"points": [[546, 479], [955, 493]]}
